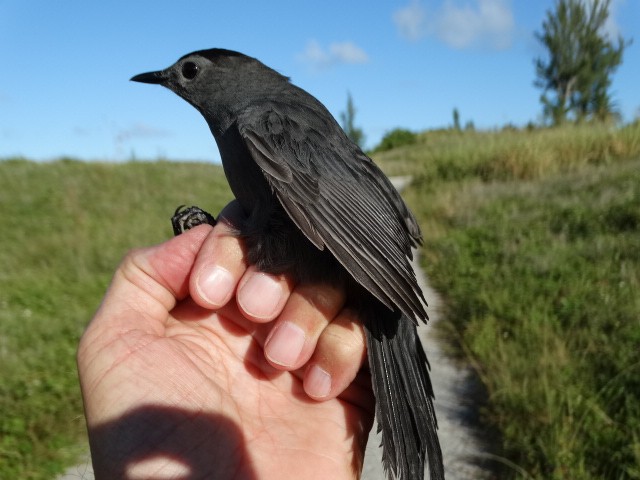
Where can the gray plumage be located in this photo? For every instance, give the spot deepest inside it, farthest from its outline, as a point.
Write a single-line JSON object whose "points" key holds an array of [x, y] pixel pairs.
{"points": [[320, 210]]}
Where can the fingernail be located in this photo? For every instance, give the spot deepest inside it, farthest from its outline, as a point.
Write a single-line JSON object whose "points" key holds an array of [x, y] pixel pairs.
{"points": [[260, 296], [285, 344], [317, 382], [215, 284]]}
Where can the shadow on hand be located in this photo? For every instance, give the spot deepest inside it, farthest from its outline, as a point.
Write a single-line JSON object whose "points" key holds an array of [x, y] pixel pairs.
{"points": [[154, 442]]}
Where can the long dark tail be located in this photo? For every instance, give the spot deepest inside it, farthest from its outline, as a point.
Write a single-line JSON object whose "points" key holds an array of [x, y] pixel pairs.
{"points": [[404, 398]]}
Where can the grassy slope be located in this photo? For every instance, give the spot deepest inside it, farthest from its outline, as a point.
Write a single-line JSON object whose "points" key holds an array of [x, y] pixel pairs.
{"points": [[542, 281], [532, 238], [540, 269], [66, 225]]}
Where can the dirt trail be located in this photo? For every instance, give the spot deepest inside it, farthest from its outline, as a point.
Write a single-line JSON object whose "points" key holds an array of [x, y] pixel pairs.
{"points": [[465, 448]]}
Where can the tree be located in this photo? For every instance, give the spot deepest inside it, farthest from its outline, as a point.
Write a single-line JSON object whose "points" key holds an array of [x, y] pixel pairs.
{"points": [[347, 117], [577, 75], [456, 119]]}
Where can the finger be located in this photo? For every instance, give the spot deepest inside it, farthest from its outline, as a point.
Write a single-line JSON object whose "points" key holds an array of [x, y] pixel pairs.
{"points": [[339, 355], [261, 297], [307, 313], [220, 263]]}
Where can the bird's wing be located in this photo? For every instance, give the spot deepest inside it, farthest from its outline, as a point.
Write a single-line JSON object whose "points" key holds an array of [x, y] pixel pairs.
{"points": [[337, 196]]}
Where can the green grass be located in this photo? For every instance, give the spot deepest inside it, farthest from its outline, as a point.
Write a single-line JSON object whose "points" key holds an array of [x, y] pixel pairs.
{"points": [[532, 238], [542, 284], [66, 225], [539, 265], [453, 156]]}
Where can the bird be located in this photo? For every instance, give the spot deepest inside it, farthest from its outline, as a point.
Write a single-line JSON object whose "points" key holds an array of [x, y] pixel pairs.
{"points": [[320, 210]]}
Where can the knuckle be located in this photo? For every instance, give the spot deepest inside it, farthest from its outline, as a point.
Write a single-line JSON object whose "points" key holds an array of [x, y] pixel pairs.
{"points": [[345, 340], [324, 298]]}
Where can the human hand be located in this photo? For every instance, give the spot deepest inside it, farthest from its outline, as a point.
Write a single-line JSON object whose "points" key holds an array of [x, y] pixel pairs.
{"points": [[181, 381]]}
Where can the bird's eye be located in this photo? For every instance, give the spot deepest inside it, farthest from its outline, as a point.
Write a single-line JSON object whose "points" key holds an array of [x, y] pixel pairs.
{"points": [[190, 70]]}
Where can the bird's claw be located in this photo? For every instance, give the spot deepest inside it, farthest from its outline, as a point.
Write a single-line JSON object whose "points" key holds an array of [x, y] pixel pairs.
{"points": [[186, 218]]}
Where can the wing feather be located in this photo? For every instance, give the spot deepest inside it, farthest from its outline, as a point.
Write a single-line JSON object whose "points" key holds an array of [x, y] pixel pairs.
{"points": [[336, 197]]}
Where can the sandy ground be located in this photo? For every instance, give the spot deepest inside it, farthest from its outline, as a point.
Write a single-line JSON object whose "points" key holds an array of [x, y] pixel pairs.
{"points": [[465, 448]]}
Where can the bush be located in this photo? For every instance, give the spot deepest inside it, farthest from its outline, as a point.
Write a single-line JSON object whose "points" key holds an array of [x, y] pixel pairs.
{"points": [[397, 137]]}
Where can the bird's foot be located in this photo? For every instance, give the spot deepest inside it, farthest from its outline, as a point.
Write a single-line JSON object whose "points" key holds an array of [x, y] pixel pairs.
{"points": [[186, 218]]}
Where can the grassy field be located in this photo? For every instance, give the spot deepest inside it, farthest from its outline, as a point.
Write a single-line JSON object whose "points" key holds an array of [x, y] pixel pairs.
{"points": [[532, 237], [66, 225], [539, 265]]}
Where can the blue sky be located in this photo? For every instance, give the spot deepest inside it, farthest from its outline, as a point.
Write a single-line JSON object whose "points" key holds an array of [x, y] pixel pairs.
{"points": [[64, 86]]}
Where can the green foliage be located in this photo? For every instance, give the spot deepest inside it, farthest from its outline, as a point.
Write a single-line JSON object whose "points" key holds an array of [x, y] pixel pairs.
{"points": [[541, 280], [533, 238], [581, 61], [456, 119], [398, 137], [67, 224], [446, 155], [348, 123]]}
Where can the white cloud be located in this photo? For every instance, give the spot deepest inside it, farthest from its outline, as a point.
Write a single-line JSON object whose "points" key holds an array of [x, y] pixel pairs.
{"points": [[314, 54], [489, 21], [459, 24], [337, 53], [348, 52], [410, 21]]}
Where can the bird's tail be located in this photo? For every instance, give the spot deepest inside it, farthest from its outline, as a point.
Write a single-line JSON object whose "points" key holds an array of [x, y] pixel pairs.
{"points": [[404, 398]]}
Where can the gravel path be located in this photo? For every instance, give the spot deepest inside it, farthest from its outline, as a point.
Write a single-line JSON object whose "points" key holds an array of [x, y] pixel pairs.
{"points": [[465, 448]]}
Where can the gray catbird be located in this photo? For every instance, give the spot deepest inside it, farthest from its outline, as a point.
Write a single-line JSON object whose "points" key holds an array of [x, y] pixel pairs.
{"points": [[320, 210]]}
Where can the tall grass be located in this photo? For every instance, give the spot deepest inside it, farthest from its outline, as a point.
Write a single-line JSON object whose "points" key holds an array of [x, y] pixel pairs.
{"points": [[534, 241], [543, 285], [451, 155]]}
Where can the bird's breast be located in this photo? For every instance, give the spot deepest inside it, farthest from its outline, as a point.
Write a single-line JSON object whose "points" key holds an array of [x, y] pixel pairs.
{"points": [[244, 176]]}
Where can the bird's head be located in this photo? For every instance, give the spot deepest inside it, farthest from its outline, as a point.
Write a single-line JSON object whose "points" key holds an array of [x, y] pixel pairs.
{"points": [[216, 81]]}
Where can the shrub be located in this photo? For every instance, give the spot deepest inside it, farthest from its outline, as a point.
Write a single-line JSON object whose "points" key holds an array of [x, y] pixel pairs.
{"points": [[397, 137]]}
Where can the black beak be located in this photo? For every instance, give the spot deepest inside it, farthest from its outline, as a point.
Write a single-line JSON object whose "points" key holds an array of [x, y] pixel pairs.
{"points": [[150, 77]]}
